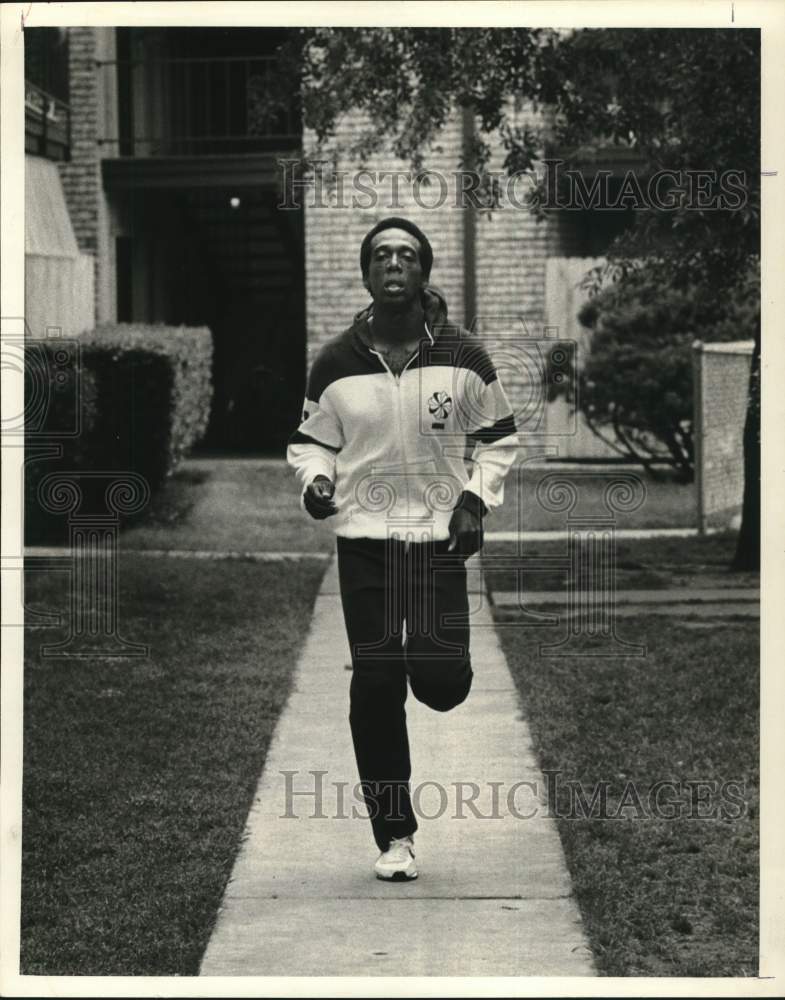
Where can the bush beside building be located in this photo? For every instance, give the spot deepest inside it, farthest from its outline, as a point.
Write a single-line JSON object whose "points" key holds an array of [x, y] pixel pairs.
{"points": [[140, 400]]}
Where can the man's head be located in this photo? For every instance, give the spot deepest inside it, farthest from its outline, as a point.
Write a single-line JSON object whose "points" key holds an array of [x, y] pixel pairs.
{"points": [[396, 260]]}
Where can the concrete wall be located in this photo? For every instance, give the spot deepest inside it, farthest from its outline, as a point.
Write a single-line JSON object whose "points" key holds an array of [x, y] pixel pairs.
{"points": [[59, 279], [59, 295], [563, 300]]}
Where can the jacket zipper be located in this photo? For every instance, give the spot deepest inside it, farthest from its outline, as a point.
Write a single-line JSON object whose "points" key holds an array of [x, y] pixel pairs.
{"points": [[397, 380]]}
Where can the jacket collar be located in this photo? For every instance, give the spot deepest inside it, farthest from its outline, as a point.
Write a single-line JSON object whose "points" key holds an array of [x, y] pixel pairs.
{"points": [[434, 307]]}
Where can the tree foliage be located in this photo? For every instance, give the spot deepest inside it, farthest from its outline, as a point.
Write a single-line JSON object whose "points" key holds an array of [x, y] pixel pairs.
{"points": [[407, 81], [635, 388], [685, 100], [682, 99]]}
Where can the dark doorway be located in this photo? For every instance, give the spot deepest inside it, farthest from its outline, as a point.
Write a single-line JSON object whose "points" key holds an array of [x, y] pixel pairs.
{"points": [[191, 247], [228, 259]]}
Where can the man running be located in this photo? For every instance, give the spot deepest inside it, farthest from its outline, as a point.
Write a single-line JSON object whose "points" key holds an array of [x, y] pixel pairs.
{"points": [[405, 440]]}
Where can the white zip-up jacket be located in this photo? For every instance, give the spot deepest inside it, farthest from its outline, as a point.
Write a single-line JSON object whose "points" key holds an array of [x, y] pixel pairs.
{"points": [[403, 450]]}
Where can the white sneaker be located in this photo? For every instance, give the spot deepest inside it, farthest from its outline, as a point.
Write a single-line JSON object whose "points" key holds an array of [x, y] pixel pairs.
{"points": [[397, 863]]}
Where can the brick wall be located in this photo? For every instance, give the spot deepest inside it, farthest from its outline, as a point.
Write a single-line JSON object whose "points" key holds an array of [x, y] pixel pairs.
{"points": [[512, 246], [82, 175], [510, 249], [511, 252], [721, 380], [334, 232], [93, 114]]}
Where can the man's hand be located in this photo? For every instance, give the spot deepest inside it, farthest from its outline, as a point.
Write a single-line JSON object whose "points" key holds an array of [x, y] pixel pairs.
{"points": [[318, 498], [466, 531]]}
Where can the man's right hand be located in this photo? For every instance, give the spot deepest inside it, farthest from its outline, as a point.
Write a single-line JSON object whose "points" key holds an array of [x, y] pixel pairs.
{"points": [[318, 498]]}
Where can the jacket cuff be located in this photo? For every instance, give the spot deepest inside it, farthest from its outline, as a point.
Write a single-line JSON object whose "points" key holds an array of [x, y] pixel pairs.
{"points": [[471, 502]]}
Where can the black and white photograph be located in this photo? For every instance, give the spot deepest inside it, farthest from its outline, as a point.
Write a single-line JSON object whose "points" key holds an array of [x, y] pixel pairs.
{"points": [[390, 446]]}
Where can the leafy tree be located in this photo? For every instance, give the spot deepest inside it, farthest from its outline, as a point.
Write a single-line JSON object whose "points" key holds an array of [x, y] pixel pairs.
{"points": [[682, 99], [637, 379], [408, 80], [685, 100]]}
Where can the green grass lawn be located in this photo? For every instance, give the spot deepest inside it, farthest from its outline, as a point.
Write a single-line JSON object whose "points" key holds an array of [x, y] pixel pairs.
{"points": [[230, 504], [644, 564], [666, 504], [659, 896], [138, 774]]}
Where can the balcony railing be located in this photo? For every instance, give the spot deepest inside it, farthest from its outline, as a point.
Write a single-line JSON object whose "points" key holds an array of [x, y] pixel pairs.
{"points": [[197, 105], [47, 124]]}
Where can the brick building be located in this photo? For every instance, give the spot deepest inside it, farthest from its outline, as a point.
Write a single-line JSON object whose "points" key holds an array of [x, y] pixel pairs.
{"points": [[166, 177]]}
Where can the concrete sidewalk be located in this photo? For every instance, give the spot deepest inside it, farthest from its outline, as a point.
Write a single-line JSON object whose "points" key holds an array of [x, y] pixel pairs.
{"points": [[493, 896], [673, 602], [665, 595]]}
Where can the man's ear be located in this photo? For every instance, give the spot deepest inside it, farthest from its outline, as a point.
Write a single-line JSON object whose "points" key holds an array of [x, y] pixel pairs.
{"points": [[366, 284]]}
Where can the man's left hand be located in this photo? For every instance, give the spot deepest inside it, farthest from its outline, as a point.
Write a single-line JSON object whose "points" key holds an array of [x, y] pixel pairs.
{"points": [[466, 532]]}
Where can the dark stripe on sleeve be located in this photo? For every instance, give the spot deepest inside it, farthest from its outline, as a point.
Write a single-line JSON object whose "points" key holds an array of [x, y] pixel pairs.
{"points": [[299, 438], [501, 429], [338, 359]]}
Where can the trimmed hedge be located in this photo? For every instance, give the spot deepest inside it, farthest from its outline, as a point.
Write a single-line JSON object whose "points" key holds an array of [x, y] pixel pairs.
{"points": [[143, 402], [164, 374]]}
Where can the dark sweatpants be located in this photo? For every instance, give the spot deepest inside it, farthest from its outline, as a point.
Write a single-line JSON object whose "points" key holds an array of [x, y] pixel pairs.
{"points": [[385, 583]]}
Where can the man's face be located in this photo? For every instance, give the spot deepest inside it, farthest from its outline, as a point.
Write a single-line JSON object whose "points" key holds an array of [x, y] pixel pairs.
{"points": [[394, 272]]}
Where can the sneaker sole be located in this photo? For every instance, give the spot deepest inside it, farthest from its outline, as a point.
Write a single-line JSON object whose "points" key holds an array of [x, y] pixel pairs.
{"points": [[397, 877]]}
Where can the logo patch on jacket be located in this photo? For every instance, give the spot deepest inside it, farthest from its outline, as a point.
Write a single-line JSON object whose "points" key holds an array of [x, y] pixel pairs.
{"points": [[440, 407]]}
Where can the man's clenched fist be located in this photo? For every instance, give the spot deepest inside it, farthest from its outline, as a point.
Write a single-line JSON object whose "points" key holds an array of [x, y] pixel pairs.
{"points": [[466, 531], [318, 498]]}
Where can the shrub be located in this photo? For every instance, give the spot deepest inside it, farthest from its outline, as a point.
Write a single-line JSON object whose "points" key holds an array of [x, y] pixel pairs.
{"points": [[143, 402], [635, 387]]}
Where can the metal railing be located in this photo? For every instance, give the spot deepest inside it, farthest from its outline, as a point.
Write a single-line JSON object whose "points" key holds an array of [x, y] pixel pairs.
{"points": [[47, 124], [196, 105]]}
